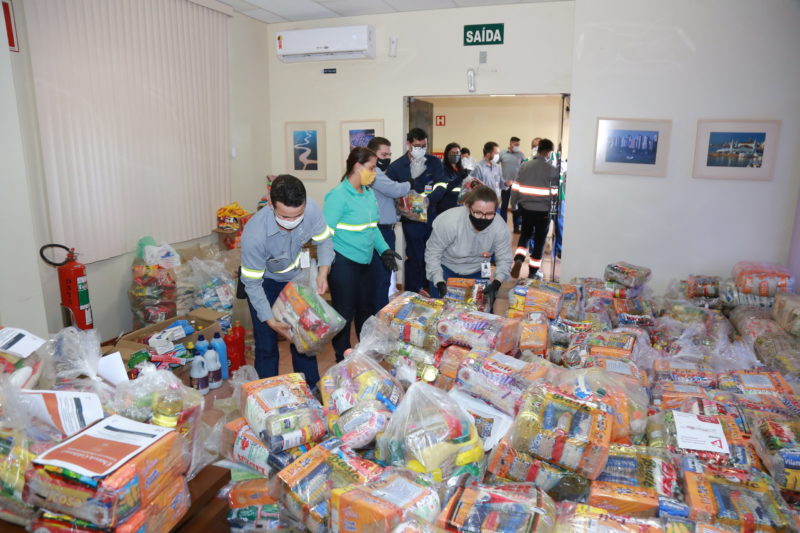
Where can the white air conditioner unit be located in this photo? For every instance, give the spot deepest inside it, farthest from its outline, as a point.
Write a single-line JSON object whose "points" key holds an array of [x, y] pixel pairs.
{"points": [[326, 44]]}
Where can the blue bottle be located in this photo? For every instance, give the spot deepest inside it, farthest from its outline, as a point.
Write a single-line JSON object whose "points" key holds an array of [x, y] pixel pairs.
{"points": [[202, 345], [219, 345]]}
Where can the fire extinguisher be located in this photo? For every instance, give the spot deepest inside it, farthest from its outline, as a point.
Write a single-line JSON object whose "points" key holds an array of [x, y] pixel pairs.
{"points": [[75, 307]]}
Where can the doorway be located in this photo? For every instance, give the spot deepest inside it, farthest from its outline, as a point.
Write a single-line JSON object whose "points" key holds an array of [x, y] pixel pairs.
{"points": [[472, 120]]}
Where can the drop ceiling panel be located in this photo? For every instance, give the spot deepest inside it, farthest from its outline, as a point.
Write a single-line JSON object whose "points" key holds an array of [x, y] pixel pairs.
{"points": [[420, 5], [352, 8], [295, 9], [263, 15]]}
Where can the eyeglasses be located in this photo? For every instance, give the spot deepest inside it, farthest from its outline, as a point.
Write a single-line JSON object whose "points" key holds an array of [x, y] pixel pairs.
{"points": [[479, 214]]}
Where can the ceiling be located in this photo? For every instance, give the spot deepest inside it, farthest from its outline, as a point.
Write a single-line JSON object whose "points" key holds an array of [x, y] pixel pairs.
{"points": [[293, 10]]}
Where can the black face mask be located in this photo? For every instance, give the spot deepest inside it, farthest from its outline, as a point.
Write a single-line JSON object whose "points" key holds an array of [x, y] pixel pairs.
{"points": [[480, 224], [383, 164]]}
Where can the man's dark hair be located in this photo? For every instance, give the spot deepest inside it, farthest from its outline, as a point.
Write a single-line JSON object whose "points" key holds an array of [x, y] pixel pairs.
{"points": [[488, 147], [287, 190], [545, 145], [514, 139], [416, 134], [482, 193], [376, 142], [465, 151]]}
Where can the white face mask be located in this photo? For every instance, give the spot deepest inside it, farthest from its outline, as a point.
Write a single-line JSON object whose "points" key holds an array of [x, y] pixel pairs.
{"points": [[289, 224], [495, 158], [418, 152], [516, 148]]}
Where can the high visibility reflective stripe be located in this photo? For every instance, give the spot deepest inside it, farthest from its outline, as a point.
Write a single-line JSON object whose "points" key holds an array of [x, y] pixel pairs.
{"points": [[534, 263], [534, 191], [457, 189], [294, 265], [440, 184], [251, 273], [554, 190], [356, 227], [521, 251], [324, 235]]}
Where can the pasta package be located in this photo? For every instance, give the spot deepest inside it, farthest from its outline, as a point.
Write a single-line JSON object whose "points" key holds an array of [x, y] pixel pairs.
{"points": [[283, 412], [475, 329], [413, 318], [564, 430], [762, 279]]}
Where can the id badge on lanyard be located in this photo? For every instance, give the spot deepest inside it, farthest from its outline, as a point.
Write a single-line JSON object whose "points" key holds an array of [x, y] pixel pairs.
{"points": [[486, 266], [305, 259]]}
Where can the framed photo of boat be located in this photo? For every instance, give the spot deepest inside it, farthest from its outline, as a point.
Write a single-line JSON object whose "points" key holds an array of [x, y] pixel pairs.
{"points": [[736, 149], [635, 147], [306, 150]]}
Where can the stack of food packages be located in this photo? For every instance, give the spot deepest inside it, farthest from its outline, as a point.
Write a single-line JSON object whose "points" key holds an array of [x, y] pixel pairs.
{"points": [[79, 454]]}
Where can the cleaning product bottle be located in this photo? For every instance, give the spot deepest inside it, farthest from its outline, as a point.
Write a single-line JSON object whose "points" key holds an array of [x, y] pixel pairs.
{"points": [[214, 369], [198, 375], [230, 346], [167, 406], [190, 351], [219, 345], [201, 345]]}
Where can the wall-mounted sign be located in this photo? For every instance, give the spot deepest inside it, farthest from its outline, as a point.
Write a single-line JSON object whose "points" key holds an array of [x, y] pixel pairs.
{"points": [[441, 120], [483, 34]]}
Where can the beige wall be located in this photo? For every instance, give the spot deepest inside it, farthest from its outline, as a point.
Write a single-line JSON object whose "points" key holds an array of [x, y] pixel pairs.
{"points": [[473, 120], [431, 60]]}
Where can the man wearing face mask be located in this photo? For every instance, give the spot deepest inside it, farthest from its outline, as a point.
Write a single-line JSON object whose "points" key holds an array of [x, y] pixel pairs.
{"points": [[510, 161], [386, 191], [464, 239], [488, 170], [422, 171], [271, 245]]}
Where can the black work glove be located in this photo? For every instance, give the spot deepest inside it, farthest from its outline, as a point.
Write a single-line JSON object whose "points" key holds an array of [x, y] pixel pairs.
{"points": [[442, 287], [490, 293], [389, 258]]}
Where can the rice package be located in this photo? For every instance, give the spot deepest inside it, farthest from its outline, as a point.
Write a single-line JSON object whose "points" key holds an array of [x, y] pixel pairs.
{"points": [[498, 379], [518, 507], [763, 279], [777, 442], [382, 504], [282, 411], [634, 479], [313, 322], [413, 318], [534, 295], [746, 501], [429, 433], [786, 312], [627, 274], [508, 464], [583, 518], [411, 363], [534, 335], [754, 382], [359, 397], [241, 445], [161, 515], [563, 430], [307, 482], [107, 472], [466, 291], [413, 206], [475, 329]]}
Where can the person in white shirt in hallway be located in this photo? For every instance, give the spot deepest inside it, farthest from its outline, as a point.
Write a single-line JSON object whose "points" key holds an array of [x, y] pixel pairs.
{"points": [[488, 169]]}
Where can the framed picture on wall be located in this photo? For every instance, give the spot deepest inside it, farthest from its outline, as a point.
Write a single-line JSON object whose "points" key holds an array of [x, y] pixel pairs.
{"points": [[736, 149], [637, 147], [305, 150], [359, 133]]}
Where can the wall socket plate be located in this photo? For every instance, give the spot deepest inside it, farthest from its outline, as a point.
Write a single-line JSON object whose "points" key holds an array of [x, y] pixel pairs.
{"points": [[482, 57]]}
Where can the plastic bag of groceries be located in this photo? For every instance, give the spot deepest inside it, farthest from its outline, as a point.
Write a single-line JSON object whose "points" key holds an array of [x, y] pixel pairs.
{"points": [[627, 274], [530, 296], [413, 206], [764, 279], [214, 286], [359, 397], [786, 312], [467, 292], [474, 329], [469, 184], [313, 322], [431, 434], [413, 318]]}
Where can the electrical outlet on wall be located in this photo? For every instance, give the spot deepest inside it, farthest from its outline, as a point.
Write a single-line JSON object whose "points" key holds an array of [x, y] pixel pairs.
{"points": [[482, 57]]}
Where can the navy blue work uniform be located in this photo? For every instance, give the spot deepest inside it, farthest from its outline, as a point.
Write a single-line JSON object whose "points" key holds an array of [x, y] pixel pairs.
{"points": [[445, 193], [416, 233]]}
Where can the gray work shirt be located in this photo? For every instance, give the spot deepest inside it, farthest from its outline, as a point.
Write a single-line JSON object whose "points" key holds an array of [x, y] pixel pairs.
{"points": [[491, 176], [269, 251], [510, 163], [386, 190]]}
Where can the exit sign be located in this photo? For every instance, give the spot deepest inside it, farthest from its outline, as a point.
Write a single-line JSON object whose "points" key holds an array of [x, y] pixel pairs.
{"points": [[483, 34], [441, 120]]}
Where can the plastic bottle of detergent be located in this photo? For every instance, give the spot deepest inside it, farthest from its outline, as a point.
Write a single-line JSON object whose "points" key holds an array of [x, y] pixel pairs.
{"points": [[214, 369], [201, 345], [219, 345], [198, 375]]}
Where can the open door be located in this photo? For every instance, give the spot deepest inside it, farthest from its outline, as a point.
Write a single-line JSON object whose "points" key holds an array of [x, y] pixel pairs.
{"points": [[420, 115]]}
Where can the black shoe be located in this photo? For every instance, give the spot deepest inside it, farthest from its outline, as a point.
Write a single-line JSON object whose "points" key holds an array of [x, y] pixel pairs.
{"points": [[516, 268]]}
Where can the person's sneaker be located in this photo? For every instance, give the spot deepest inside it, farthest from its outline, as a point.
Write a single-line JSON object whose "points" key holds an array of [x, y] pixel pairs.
{"points": [[516, 268], [536, 275]]}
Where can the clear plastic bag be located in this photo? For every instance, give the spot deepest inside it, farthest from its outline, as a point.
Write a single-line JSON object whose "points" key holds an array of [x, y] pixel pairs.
{"points": [[754, 382], [564, 430], [411, 363], [469, 184], [283, 412], [507, 507], [627, 274], [377, 339], [413, 318], [777, 442], [240, 444], [752, 322], [214, 286], [762, 278], [76, 353], [413, 206], [474, 329], [786, 312], [534, 336], [416, 526], [583, 518], [529, 296], [153, 293], [251, 508], [359, 397], [467, 292], [312, 320], [780, 352], [383, 503], [430, 434]]}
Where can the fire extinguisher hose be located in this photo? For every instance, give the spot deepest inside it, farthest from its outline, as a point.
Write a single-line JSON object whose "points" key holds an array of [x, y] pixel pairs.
{"points": [[48, 261]]}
